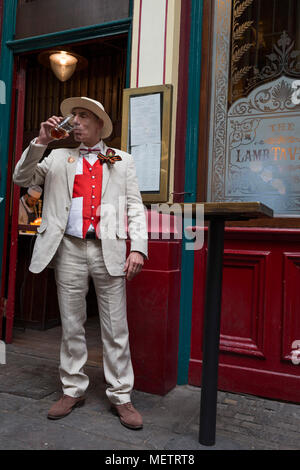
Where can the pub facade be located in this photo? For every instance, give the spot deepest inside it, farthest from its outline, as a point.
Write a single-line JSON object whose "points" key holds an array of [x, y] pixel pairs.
{"points": [[231, 69]]}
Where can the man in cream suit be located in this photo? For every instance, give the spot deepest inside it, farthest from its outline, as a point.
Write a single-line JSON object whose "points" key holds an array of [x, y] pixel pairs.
{"points": [[89, 194]]}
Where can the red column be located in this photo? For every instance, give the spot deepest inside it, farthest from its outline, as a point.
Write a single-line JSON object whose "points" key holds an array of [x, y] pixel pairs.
{"points": [[153, 303]]}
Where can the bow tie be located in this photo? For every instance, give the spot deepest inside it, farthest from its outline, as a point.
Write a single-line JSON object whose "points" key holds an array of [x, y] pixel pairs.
{"points": [[110, 157], [89, 150]]}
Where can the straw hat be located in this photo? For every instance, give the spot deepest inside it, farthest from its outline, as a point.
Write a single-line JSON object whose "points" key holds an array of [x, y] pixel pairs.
{"points": [[94, 106]]}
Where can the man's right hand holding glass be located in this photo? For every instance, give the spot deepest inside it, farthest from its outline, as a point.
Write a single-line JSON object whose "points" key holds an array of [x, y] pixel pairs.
{"points": [[45, 130]]}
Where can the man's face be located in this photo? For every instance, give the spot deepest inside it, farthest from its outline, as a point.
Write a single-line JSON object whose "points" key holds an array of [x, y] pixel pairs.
{"points": [[31, 201], [87, 127]]}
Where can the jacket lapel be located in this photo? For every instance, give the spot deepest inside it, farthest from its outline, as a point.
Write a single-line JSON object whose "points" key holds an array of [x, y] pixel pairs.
{"points": [[106, 172], [72, 156]]}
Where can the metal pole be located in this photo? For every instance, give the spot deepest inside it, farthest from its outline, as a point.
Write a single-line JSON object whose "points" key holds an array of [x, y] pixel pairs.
{"points": [[211, 334]]}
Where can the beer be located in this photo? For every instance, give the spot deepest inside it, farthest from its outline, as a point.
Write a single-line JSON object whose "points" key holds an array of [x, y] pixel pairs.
{"points": [[58, 133], [64, 128]]}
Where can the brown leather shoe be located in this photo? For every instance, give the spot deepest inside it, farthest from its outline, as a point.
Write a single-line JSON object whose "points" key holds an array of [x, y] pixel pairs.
{"points": [[64, 406], [129, 416]]}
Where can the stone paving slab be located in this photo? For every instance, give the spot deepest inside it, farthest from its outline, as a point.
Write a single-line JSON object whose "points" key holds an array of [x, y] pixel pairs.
{"points": [[30, 385], [28, 376]]}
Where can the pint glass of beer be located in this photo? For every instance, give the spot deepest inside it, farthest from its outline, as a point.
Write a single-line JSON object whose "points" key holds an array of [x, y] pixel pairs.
{"points": [[64, 128]]}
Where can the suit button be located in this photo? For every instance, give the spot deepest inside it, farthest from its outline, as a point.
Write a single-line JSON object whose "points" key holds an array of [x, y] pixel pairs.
{"points": [[67, 209]]}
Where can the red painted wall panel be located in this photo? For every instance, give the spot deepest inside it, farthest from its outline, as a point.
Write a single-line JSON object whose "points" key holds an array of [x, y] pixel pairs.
{"points": [[153, 318], [260, 313]]}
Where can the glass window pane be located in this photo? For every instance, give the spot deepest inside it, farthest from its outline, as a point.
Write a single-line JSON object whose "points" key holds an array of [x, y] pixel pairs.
{"points": [[265, 39], [255, 113]]}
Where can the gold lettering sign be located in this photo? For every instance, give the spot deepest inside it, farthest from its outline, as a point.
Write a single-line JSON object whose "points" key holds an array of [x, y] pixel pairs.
{"points": [[263, 148]]}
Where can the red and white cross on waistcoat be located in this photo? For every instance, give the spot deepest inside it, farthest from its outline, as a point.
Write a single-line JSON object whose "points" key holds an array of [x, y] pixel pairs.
{"points": [[86, 199]]}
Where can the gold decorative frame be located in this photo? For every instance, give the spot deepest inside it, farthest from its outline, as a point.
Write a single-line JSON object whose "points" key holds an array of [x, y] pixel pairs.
{"points": [[166, 107]]}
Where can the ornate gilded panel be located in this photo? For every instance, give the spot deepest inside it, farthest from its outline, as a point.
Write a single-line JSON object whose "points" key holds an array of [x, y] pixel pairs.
{"points": [[255, 122]]}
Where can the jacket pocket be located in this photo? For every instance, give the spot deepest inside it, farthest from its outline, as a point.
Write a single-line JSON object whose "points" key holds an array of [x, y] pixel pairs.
{"points": [[42, 228], [121, 234]]}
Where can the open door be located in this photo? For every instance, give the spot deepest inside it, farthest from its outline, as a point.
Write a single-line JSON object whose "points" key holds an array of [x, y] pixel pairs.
{"points": [[26, 298]]}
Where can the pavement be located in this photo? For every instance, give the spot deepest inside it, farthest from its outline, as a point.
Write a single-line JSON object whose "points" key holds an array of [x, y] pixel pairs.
{"points": [[29, 385]]}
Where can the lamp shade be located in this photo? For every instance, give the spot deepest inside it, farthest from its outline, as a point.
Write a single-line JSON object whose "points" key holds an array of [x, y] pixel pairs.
{"points": [[63, 64]]}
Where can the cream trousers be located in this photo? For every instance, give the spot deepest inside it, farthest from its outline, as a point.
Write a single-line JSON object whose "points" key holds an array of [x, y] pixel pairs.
{"points": [[77, 260]]}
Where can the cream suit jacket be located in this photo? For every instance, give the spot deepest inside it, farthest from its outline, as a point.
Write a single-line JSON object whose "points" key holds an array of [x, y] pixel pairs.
{"points": [[121, 204]]}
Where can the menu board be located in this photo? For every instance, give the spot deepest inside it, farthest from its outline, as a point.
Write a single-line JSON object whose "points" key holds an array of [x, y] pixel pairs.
{"points": [[146, 124], [145, 139]]}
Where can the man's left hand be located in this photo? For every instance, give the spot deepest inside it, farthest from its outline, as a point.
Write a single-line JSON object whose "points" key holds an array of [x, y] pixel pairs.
{"points": [[133, 265]]}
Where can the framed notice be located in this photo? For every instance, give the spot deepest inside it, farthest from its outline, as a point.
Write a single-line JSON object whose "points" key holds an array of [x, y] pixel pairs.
{"points": [[146, 129]]}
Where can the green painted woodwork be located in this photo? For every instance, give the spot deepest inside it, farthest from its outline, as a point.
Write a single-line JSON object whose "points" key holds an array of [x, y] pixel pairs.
{"points": [[6, 76], [69, 36], [191, 163]]}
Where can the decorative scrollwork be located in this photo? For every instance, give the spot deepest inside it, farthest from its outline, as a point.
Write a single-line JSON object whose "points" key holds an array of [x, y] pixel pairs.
{"points": [[243, 133], [219, 110], [238, 31], [283, 60], [276, 97]]}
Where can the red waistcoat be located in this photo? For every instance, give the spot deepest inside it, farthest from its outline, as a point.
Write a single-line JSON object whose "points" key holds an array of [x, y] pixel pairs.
{"points": [[88, 186]]}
